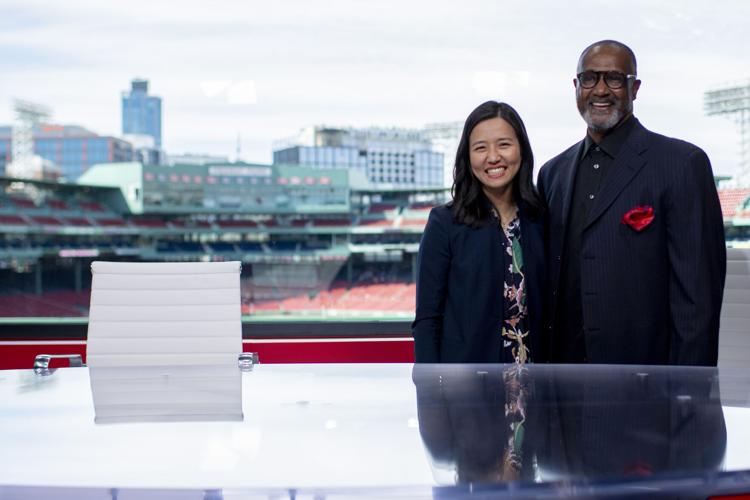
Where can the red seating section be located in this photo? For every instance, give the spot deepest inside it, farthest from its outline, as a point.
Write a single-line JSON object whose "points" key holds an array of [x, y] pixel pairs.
{"points": [[331, 222], [414, 222], [731, 200], [46, 221], [237, 223], [58, 204], [147, 222], [377, 208], [380, 297], [12, 219], [49, 304], [92, 206], [77, 221], [110, 222], [22, 203], [376, 223]]}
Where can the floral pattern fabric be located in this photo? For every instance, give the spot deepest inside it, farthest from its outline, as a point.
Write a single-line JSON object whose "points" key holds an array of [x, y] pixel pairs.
{"points": [[515, 379], [514, 333], [514, 330]]}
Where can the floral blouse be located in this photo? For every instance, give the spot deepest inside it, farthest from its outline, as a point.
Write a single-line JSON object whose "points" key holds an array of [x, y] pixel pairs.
{"points": [[514, 330]]}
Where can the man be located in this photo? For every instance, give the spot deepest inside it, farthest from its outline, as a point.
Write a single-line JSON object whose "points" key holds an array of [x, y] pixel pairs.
{"points": [[636, 237]]}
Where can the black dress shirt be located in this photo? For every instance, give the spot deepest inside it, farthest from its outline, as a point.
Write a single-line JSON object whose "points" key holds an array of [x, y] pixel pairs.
{"points": [[594, 166]]}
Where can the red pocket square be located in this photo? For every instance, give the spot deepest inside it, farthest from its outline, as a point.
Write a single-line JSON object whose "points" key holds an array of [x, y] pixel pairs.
{"points": [[639, 217]]}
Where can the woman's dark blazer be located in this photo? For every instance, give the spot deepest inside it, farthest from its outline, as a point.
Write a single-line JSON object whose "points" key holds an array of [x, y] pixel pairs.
{"points": [[460, 300]]}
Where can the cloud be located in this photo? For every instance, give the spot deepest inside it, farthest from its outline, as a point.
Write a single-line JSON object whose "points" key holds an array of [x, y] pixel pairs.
{"points": [[357, 63], [242, 93], [214, 88], [492, 84], [656, 25]]}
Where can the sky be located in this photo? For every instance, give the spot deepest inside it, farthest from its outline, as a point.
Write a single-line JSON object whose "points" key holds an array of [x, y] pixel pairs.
{"points": [[262, 70]]}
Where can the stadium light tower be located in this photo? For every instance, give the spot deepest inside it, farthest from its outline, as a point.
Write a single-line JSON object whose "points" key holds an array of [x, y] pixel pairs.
{"points": [[733, 101], [28, 114]]}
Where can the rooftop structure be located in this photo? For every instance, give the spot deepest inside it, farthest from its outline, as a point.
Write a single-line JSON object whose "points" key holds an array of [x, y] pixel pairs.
{"points": [[733, 101], [386, 158]]}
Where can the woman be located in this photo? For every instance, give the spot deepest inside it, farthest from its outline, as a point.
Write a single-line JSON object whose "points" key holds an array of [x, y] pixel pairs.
{"points": [[480, 265]]}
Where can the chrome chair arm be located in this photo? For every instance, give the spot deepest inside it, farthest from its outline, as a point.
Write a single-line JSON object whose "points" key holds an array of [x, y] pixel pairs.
{"points": [[41, 362], [247, 360]]}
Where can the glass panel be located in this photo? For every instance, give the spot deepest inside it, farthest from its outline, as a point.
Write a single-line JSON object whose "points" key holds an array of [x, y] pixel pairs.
{"points": [[447, 430], [361, 105]]}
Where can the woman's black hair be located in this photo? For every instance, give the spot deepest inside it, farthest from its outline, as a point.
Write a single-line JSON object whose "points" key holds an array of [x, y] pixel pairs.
{"points": [[470, 205]]}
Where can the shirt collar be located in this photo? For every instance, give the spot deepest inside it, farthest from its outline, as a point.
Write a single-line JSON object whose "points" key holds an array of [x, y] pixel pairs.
{"points": [[613, 141]]}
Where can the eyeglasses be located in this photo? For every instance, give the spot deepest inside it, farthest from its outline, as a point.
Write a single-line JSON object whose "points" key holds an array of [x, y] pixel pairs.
{"points": [[614, 79]]}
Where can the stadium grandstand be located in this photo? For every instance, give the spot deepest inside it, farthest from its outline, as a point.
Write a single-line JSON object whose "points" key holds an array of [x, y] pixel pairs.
{"points": [[311, 241]]}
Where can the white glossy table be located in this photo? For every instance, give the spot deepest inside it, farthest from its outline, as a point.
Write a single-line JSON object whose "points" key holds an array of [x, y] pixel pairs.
{"points": [[364, 429]]}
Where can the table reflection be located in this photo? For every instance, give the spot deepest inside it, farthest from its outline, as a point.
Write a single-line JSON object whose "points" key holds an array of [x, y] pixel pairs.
{"points": [[491, 424], [167, 393]]}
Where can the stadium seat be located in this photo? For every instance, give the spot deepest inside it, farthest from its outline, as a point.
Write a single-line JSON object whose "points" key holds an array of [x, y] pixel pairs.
{"points": [[377, 208], [92, 206], [77, 221], [339, 222], [152, 314], [732, 201], [376, 223], [237, 224], [23, 203], [148, 222], [57, 204], [46, 220], [110, 222], [414, 222]]}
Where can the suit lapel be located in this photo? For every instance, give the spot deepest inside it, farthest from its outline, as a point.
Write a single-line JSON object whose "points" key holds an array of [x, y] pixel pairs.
{"points": [[532, 244], [625, 167], [568, 183]]}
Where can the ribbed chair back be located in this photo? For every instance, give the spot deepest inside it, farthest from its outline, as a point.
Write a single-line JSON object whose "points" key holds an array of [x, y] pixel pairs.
{"points": [[734, 329], [172, 313]]}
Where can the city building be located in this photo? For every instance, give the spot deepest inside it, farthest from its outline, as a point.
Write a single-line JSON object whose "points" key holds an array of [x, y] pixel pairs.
{"points": [[445, 137], [388, 158], [141, 122], [71, 148], [228, 188]]}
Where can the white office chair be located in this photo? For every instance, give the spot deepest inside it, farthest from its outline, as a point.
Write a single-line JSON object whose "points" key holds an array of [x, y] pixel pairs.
{"points": [[172, 394], [734, 330], [152, 314]]}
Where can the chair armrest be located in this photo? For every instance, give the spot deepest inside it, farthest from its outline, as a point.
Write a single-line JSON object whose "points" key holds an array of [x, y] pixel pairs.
{"points": [[247, 360], [41, 362]]}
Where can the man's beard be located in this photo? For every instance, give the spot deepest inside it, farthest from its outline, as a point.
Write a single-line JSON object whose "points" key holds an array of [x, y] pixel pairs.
{"points": [[597, 123]]}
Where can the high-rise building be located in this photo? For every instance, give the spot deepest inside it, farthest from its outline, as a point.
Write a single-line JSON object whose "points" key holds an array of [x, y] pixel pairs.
{"points": [[386, 157], [141, 112]]}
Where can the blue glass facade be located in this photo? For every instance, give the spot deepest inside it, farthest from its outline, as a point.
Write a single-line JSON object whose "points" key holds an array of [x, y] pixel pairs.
{"points": [[141, 113], [75, 155], [71, 148], [4, 154]]}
